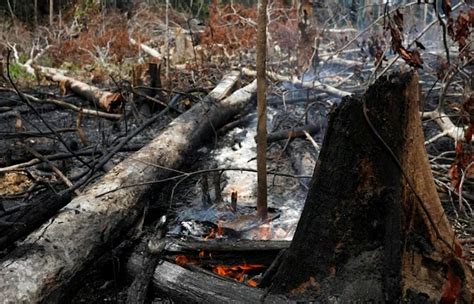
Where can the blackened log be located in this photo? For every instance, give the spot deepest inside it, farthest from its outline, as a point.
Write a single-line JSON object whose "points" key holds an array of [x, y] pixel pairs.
{"points": [[373, 228], [226, 245], [154, 245], [30, 215], [185, 286]]}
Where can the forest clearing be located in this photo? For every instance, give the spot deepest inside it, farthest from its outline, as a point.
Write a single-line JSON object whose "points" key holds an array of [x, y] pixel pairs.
{"points": [[270, 151]]}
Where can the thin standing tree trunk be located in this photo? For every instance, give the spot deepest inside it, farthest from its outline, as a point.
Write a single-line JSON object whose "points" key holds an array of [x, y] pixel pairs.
{"points": [[167, 41], [261, 111], [11, 11], [60, 16], [51, 12], [36, 13]]}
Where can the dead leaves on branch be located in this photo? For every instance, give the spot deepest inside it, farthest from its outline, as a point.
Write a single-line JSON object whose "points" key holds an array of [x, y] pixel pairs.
{"points": [[234, 26], [460, 34], [395, 26], [459, 30], [231, 25], [463, 164]]}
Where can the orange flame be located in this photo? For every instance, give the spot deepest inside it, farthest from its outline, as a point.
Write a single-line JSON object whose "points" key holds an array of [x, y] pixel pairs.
{"points": [[237, 272]]}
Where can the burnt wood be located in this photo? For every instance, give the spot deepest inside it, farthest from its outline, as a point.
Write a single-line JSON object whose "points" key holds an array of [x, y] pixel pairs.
{"points": [[373, 228], [30, 215], [107, 211], [137, 292], [177, 245], [185, 286]]}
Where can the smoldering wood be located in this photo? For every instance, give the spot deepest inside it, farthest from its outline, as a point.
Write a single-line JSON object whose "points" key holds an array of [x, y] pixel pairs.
{"points": [[212, 259], [177, 245], [373, 228], [81, 230], [185, 286]]}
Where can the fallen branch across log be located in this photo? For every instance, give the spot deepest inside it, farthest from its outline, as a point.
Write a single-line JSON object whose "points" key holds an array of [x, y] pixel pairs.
{"points": [[224, 245], [313, 84], [41, 266]]}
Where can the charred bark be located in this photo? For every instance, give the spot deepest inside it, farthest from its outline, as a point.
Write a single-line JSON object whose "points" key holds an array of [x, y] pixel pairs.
{"points": [[185, 286], [373, 228], [28, 217], [149, 258]]}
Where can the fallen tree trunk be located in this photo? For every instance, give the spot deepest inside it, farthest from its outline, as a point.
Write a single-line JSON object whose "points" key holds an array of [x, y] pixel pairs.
{"points": [[110, 102], [373, 228], [42, 265], [29, 216], [177, 245]]}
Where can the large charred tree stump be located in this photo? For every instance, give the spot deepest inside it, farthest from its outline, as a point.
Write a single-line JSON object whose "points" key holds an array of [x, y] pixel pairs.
{"points": [[373, 228]]}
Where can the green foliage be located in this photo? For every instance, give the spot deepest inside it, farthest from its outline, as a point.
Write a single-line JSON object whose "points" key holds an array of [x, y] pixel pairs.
{"points": [[23, 58], [85, 8], [17, 72]]}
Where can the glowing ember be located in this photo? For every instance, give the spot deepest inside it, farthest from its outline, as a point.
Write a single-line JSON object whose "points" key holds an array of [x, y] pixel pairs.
{"points": [[182, 260], [237, 272]]}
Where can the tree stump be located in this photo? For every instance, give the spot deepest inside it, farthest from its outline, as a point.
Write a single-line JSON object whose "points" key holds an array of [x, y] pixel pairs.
{"points": [[373, 228]]}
